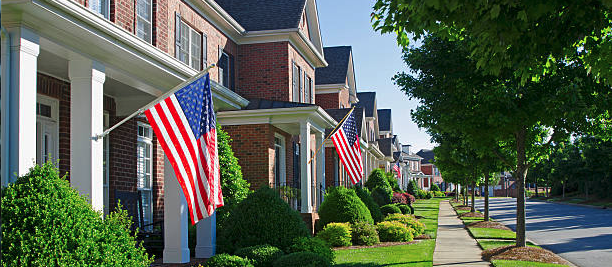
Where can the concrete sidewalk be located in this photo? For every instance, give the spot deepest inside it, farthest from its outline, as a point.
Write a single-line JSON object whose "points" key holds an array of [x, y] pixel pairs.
{"points": [[454, 246]]}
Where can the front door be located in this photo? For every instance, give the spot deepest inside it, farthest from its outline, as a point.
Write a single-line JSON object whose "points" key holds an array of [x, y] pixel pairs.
{"points": [[47, 130]]}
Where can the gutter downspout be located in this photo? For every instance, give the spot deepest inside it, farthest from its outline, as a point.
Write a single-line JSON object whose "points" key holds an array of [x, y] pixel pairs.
{"points": [[6, 83]]}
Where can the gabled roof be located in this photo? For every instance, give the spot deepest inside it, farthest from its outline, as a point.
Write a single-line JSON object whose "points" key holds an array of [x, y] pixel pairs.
{"points": [[397, 155], [367, 101], [338, 58], [257, 103], [427, 155], [260, 15], [384, 119], [339, 113], [385, 145]]}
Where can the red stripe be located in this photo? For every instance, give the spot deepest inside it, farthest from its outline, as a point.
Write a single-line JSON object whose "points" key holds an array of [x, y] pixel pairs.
{"points": [[193, 158], [209, 205], [357, 150], [341, 148], [351, 155], [171, 158], [181, 152]]}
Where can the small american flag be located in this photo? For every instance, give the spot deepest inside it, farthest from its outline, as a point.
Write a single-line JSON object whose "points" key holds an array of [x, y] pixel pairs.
{"points": [[185, 126], [398, 169], [346, 141]]}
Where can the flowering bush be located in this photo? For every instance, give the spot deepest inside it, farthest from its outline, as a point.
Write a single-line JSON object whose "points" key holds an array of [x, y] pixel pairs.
{"points": [[410, 198], [399, 198]]}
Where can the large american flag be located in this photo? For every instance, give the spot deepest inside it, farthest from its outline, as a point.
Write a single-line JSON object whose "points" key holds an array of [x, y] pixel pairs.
{"points": [[346, 141], [185, 126], [398, 169]]}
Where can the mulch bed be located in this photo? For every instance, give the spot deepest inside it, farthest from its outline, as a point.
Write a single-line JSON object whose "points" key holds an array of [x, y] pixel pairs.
{"points": [[423, 236], [523, 254], [193, 262], [382, 244], [463, 208], [492, 225], [471, 214]]}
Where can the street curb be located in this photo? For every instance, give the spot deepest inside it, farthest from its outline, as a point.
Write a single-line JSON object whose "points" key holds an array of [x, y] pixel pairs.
{"points": [[571, 204]]}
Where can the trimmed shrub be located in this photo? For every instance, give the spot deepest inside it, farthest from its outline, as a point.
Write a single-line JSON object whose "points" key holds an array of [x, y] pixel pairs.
{"points": [[261, 255], [394, 232], [410, 198], [389, 209], [226, 260], [399, 198], [377, 179], [336, 234], [412, 188], [422, 194], [439, 194], [45, 222], [434, 187], [429, 195], [304, 258], [315, 245], [408, 220], [392, 180], [382, 195], [366, 197], [364, 234], [405, 209], [343, 205], [262, 218]]}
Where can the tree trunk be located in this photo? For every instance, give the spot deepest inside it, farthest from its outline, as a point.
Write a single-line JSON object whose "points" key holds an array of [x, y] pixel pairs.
{"points": [[586, 188], [486, 198], [473, 206], [563, 184], [536, 189], [521, 172]]}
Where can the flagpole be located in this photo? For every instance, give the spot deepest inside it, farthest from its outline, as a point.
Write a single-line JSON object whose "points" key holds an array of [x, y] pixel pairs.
{"points": [[323, 143], [154, 102]]}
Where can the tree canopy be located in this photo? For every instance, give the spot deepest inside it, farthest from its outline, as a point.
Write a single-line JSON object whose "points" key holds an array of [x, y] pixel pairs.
{"points": [[529, 37]]}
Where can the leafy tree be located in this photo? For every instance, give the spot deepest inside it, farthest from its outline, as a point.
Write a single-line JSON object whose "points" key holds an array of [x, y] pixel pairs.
{"points": [[516, 122], [528, 36], [391, 178], [413, 188]]}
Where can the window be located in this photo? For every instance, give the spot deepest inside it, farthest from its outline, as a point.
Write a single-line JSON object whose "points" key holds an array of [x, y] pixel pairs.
{"points": [[100, 6], [279, 161], [106, 162], [189, 45], [144, 170], [308, 90], [224, 70], [144, 15], [47, 129], [301, 86], [296, 83]]}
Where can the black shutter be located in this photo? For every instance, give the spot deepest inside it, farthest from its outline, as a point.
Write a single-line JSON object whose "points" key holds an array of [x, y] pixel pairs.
{"points": [[232, 70], [177, 35], [204, 51], [296, 166]]}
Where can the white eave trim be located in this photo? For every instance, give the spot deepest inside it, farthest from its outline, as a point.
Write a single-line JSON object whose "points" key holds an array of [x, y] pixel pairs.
{"points": [[330, 88], [319, 113]]}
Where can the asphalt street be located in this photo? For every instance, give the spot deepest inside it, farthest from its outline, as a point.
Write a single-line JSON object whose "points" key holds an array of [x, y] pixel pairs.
{"points": [[581, 235]]}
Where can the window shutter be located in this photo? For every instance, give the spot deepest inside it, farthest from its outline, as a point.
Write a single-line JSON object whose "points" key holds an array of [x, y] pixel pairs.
{"points": [[232, 70], [204, 51], [177, 34], [312, 91]]}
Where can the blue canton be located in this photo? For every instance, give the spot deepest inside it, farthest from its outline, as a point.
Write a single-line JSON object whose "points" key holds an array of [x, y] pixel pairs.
{"points": [[196, 102]]}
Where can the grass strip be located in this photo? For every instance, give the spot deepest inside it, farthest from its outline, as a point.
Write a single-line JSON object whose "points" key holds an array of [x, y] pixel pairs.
{"points": [[488, 233], [489, 244], [419, 254]]}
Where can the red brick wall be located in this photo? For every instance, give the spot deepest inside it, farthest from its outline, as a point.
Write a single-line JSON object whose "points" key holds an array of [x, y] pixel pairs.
{"points": [[263, 71], [329, 167], [158, 180], [327, 101], [122, 144], [252, 146], [122, 13], [160, 25]]}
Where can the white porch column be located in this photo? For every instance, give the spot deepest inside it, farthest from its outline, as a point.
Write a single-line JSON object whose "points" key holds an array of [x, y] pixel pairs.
{"points": [[176, 249], [206, 237], [320, 162], [86, 120], [306, 179], [19, 65]]}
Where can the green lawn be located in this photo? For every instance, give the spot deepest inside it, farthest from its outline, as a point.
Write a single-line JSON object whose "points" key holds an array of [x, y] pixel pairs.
{"points": [[488, 233], [489, 244], [419, 254], [506, 263]]}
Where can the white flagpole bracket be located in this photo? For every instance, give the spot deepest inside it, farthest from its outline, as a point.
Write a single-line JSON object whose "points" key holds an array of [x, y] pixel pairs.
{"points": [[154, 102]]}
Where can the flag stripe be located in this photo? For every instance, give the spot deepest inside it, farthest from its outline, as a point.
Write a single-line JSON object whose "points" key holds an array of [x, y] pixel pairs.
{"points": [[187, 144], [154, 119], [343, 151], [348, 152]]}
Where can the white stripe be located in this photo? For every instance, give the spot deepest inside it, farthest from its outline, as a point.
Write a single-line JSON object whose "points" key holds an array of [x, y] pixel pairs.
{"points": [[174, 153], [343, 152], [349, 151], [192, 140], [185, 151]]}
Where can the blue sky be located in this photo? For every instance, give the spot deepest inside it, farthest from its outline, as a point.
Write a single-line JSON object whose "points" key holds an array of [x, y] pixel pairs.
{"points": [[376, 58]]}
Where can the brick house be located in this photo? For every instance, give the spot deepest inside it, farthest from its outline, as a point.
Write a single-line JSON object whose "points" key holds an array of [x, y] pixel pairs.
{"points": [[431, 172]]}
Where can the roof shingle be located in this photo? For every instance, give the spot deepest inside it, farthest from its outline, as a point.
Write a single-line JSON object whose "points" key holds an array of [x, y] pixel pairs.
{"points": [[338, 59], [259, 15], [384, 120], [367, 101]]}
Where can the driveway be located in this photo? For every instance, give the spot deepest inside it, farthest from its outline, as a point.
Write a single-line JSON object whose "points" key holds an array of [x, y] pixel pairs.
{"points": [[581, 235]]}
